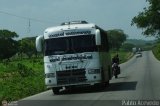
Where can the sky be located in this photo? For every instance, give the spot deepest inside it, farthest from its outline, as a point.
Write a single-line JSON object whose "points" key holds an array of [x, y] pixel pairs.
{"points": [[31, 17]]}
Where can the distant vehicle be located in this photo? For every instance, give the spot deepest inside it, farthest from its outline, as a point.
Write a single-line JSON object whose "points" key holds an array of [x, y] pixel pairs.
{"points": [[134, 50], [75, 54], [138, 54], [139, 49]]}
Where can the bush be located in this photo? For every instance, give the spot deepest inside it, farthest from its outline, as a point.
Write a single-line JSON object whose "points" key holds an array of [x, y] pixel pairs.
{"points": [[24, 71], [19, 87], [156, 51], [21, 79], [127, 47]]}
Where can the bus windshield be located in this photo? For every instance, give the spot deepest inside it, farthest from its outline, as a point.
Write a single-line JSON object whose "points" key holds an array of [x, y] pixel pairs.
{"points": [[65, 45]]}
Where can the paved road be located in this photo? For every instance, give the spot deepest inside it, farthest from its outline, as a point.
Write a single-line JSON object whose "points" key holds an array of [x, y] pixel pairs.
{"points": [[139, 80]]}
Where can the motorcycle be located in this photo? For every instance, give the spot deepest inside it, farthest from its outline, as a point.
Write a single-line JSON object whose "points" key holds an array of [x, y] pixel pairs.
{"points": [[115, 69]]}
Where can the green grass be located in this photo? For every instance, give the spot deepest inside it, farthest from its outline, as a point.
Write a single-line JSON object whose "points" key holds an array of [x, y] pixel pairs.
{"points": [[13, 86], [156, 51], [123, 55]]}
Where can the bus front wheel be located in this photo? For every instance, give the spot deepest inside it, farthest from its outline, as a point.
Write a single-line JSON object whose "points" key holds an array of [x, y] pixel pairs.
{"points": [[106, 83], [56, 90]]}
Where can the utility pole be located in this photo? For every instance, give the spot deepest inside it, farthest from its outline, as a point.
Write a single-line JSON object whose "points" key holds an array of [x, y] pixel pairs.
{"points": [[29, 26]]}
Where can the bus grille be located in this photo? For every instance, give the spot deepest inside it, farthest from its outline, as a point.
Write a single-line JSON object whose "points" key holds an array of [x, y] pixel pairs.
{"points": [[71, 76]]}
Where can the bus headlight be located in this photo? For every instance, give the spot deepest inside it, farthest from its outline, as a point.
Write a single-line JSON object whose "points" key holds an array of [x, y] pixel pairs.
{"points": [[93, 71], [49, 75]]}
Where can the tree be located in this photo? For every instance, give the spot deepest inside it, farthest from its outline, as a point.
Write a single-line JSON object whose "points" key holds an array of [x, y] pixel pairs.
{"points": [[116, 38], [27, 46], [149, 19], [8, 46], [127, 46]]}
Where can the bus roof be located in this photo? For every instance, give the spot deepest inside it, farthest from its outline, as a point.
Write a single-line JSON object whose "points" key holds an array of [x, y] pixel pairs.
{"points": [[70, 27]]}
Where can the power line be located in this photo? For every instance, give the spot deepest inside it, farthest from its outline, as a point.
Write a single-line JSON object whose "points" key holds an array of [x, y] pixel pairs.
{"points": [[26, 18]]}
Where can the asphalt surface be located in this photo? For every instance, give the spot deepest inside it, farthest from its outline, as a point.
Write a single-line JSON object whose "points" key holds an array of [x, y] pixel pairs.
{"points": [[139, 80]]}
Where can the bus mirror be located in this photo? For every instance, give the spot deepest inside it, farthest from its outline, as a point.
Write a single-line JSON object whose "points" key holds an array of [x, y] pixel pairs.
{"points": [[39, 43], [98, 37]]}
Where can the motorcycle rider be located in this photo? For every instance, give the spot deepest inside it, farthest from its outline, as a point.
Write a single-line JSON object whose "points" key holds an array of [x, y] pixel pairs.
{"points": [[115, 67]]}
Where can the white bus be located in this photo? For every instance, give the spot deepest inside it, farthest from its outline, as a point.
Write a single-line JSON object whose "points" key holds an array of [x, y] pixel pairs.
{"points": [[75, 53]]}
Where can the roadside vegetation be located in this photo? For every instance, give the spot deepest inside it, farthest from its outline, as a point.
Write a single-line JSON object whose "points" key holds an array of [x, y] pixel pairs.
{"points": [[123, 55], [21, 67], [148, 20], [21, 78], [156, 51]]}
